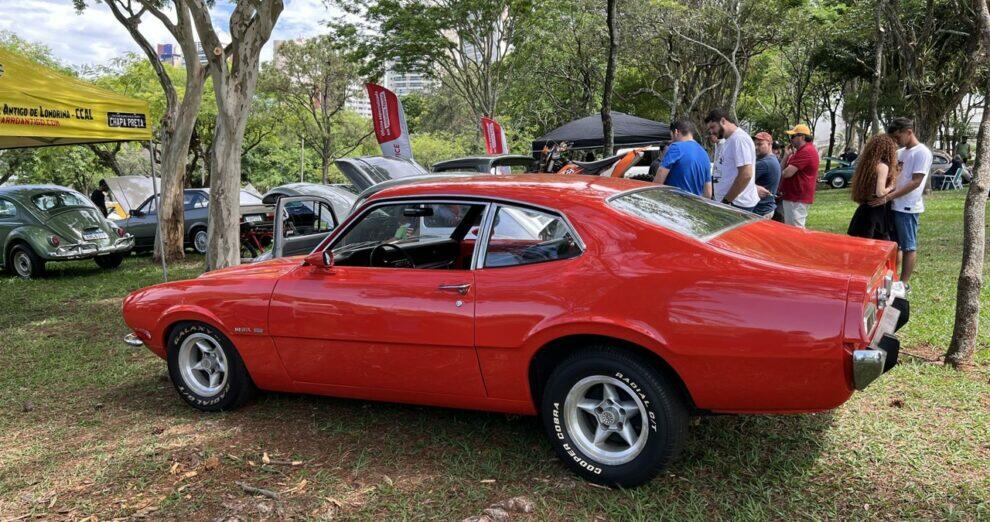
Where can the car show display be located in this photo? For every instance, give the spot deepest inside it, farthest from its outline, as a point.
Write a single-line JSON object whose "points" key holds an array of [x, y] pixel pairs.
{"points": [[612, 309]]}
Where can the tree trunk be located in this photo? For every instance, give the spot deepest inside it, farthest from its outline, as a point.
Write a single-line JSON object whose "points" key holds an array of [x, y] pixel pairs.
{"points": [[967, 321], [610, 17], [108, 158], [175, 152], [875, 126], [224, 237], [325, 168]]}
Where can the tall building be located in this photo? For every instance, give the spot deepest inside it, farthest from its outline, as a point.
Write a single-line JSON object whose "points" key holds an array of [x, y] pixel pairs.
{"points": [[407, 83], [168, 53]]}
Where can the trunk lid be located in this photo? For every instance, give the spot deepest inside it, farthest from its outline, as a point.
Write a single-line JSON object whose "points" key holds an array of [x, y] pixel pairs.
{"points": [[796, 247], [81, 225]]}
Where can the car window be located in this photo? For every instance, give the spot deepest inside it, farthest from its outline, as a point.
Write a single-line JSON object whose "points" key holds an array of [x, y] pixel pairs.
{"points": [[411, 235], [524, 236], [149, 206], [680, 212], [303, 218], [49, 201], [7, 209], [194, 200]]}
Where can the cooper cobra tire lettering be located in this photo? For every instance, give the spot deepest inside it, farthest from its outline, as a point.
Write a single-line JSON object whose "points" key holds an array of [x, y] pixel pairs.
{"points": [[666, 414]]}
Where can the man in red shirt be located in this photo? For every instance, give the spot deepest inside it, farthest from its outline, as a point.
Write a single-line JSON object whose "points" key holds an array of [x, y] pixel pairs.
{"points": [[800, 174]]}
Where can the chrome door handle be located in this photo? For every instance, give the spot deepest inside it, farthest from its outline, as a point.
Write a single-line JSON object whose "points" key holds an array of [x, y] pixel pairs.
{"points": [[460, 289]]}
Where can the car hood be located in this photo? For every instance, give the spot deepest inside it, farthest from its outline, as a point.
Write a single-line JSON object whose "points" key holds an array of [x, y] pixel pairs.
{"points": [[367, 171], [796, 247], [131, 191], [272, 269], [70, 224]]}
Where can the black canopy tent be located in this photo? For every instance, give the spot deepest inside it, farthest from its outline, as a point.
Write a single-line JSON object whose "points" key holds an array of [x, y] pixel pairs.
{"points": [[586, 133]]}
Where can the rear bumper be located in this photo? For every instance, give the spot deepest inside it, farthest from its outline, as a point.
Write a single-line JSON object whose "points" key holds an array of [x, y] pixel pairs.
{"points": [[882, 353], [90, 250]]}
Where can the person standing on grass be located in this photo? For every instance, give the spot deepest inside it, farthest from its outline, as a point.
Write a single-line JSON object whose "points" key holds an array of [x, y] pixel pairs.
{"points": [[767, 175], [799, 177], [962, 150], [685, 164], [875, 177], [99, 197], [908, 201], [735, 162]]}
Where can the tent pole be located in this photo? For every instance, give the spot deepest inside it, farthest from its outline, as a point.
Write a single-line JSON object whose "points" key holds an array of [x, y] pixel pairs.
{"points": [[158, 206]]}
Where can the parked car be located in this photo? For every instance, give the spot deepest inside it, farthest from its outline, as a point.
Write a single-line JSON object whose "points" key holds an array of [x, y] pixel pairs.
{"points": [[44, 223], [142, 221], [367, 171], [498, 164], [310, 212], [622, 310], [840, 176]]}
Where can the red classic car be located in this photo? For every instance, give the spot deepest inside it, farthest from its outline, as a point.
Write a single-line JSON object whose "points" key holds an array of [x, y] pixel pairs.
{"points": [[612, 308]]}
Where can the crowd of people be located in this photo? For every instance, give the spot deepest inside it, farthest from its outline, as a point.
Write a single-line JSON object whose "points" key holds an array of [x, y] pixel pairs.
{"points": [[753, 174]]}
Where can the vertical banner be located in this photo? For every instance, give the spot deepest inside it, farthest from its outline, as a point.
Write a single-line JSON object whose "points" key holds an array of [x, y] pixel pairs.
{"points": [[390, 122], [495, 142]]}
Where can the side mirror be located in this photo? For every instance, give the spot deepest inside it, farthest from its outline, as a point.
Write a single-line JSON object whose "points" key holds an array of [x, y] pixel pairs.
{"points": [[322, 259]]}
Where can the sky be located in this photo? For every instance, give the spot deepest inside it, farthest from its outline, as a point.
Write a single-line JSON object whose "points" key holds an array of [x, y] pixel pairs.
{"points": [[95, 37]]}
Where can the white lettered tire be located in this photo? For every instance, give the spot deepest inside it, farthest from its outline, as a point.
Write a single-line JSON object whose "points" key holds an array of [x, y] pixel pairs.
{"points": [[206, 369], [612, 417]]}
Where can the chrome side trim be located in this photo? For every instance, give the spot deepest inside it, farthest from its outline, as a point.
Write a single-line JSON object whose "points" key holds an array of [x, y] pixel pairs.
{"points": [[481, 243], [867, 367]]}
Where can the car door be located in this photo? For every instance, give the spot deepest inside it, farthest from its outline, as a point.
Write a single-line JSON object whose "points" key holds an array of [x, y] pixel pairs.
{"points": [[301, 223], [143, 227], [388, 328], [8, 222]]}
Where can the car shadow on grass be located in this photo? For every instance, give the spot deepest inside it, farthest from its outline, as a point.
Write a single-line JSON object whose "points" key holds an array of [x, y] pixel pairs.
{"points": [[727, 462]]}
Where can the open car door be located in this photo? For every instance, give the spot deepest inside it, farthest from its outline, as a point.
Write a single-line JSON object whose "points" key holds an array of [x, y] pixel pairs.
{"points": [[301, 223]]}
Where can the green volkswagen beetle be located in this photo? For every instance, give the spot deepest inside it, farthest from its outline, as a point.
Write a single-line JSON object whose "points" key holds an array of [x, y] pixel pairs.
{"points": [[42, 223]]}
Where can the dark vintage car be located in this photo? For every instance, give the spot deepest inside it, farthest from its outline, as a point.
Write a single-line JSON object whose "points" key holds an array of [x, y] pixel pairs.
{"points": [[142, 221], [44, 223], [505, 164]]}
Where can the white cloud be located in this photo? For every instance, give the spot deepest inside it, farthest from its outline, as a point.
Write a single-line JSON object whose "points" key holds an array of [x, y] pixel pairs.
{"points": [[94, 37]]}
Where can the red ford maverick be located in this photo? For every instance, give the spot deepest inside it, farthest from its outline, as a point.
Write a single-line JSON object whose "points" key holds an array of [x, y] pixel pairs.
{"points": [[612, 308]]}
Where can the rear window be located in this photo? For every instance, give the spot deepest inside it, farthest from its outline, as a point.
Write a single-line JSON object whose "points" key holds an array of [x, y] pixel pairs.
{"points": [[681, 212], [57, 200]]}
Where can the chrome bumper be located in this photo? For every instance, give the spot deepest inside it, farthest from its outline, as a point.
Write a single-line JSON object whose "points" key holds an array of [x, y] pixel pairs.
{"points": [[132, 339], [881, 355], [88, 250]]}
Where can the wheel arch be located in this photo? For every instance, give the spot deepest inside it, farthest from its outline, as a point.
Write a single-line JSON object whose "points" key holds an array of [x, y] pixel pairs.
{"points": [[552, 353], [195, 227], [187, 314]]}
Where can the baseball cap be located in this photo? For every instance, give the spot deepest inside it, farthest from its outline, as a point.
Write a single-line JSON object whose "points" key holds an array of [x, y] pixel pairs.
{"points": [[764, 136], [800, 128]]}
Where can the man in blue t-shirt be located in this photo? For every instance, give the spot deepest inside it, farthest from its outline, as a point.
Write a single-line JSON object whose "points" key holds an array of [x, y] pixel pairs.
{"points": [[767, 175], [685, 165]]}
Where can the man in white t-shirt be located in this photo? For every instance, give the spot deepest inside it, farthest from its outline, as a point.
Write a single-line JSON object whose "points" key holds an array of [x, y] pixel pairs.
{"points": [[915, 161], [735, 164]]}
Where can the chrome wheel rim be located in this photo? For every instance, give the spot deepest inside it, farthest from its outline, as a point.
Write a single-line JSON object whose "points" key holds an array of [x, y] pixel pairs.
{"points": [[606, 420], [199, 241], [22, 263], [838, 182], [203, 364]]}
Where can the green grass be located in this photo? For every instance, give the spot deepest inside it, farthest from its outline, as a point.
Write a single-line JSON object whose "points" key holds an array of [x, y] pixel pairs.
{"points": [[107, 436]]}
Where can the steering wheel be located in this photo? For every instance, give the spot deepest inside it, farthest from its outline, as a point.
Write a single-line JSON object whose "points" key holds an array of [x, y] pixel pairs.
{"points": [[378, 257]]}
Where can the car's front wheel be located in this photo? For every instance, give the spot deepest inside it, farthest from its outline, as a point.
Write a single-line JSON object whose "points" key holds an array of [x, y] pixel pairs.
{"points": [[109, 261], [837, 182], [206, 369], [612, 418], [25, 262]]}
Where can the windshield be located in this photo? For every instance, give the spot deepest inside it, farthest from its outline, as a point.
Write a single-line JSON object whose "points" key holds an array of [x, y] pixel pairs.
{"points": [[50, 201], [681, 212]]}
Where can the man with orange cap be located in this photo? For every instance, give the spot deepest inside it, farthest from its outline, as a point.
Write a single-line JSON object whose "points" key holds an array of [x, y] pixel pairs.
{"points": [[800, 174]]}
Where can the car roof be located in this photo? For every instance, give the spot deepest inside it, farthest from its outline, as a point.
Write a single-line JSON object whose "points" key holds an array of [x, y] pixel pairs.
{"points": [[546, 190], [32, 189]]}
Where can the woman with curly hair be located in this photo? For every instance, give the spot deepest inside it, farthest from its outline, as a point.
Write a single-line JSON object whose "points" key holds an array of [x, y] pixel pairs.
{"points": [[874, 177]]}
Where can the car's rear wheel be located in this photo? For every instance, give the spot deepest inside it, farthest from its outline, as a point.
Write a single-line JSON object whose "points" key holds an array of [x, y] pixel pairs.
{"points": [[109, 261], [206, 369], [200, 240], [837, 182], [612, 417], [25, 262]]}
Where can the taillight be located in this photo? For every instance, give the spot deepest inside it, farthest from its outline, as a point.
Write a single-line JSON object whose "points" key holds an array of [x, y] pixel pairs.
{"points": [[55, 241]]}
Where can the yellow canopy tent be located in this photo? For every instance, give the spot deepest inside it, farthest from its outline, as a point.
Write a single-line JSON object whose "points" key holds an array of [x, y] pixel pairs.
{"points": [[41, 107]]}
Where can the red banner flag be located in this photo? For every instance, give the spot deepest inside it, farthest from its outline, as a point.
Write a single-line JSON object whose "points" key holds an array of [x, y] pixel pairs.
{"points": [[495, 142], [390, 122]]}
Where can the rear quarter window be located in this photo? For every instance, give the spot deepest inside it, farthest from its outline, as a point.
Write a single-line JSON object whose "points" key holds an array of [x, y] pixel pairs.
{"points": [[680, 212]]}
